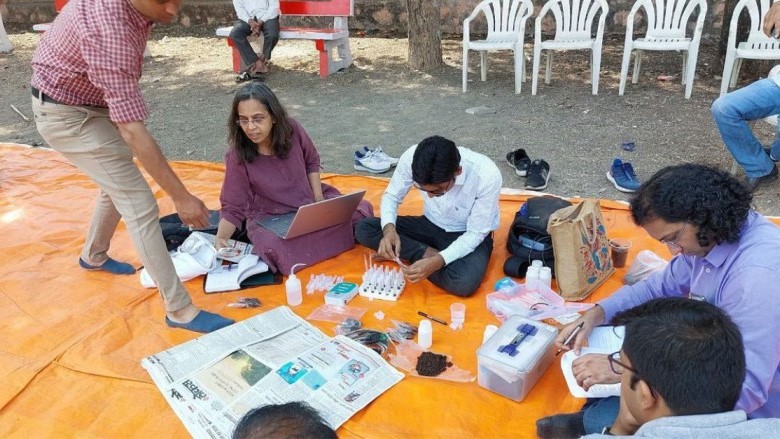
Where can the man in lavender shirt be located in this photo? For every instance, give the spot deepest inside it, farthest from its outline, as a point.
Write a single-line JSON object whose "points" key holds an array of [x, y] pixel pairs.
{"points": [[725, 254]]}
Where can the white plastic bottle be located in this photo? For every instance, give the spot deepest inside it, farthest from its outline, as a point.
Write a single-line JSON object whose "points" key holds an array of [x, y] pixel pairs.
{"points": [[425, 334], [293, 288], [532, 278], [545, 277]]}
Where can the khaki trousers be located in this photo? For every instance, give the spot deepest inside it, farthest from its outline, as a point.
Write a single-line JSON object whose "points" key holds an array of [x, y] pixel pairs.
{"points": [[88, 139]]}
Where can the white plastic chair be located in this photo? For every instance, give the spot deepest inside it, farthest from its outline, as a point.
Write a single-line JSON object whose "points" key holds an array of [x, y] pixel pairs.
{"points": [[573, 29], [505, 31], [5, 42], [757, 46], [667, 22]]}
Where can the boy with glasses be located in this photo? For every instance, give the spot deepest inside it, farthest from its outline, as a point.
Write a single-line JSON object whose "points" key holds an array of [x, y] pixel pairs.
{"points": [[681, 370], [726, 254], [451, 243]]}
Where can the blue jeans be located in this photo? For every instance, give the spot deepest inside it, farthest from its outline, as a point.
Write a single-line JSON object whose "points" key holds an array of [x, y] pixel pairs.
{"points": [[732, 113], [599, 413]]}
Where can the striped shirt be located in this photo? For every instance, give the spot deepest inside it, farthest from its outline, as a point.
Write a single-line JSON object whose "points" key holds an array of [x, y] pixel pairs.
{"points": [[93, 56], [470, 206]]}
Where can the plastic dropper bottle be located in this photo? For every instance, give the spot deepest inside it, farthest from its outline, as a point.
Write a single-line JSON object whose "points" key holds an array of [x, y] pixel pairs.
{"points": [[293, 288]]}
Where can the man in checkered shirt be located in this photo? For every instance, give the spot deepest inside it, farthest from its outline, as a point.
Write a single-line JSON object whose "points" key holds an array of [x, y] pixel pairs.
{"points": [[88, 106]]}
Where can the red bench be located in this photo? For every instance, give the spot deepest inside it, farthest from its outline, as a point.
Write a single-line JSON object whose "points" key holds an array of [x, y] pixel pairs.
{"points": [[325, 39], [43, 27]]}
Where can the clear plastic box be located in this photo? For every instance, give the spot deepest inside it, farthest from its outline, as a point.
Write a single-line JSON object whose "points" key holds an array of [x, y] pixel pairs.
{"points": [[514, 376]]}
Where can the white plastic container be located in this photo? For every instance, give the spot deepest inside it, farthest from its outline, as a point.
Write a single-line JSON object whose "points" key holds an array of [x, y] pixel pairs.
{"points": [[425, 334], [515, 376], [545, 277], [532, 278]]}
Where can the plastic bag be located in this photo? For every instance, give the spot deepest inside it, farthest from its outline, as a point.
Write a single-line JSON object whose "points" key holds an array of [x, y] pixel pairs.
{"points": [[195, 257], [405, 358], [536, 304], [336, 314], [645, 264]]}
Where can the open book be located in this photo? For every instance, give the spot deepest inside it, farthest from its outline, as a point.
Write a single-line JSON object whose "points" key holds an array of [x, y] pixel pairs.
{"points": [[229, 277], [602, 340]]}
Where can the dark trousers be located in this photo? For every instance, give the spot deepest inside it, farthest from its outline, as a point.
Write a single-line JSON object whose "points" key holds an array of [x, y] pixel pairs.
{"points": [[241, 31], [461, 277]]}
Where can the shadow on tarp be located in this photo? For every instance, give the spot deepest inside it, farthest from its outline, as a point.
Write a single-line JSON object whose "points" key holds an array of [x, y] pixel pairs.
{"points": [[72, 340]]}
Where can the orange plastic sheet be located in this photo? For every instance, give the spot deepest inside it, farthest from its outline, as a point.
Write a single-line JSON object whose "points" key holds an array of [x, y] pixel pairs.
{"points": [[72, 340]]}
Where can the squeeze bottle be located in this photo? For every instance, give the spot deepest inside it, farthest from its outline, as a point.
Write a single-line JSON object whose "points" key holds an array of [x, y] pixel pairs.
{"points": [[293, 288]]}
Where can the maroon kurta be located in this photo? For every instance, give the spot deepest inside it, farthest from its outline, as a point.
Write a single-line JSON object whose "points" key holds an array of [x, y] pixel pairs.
{"points": [[273, 186]]}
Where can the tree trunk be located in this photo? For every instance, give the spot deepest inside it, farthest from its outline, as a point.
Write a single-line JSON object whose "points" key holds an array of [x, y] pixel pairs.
{"points": [[424, 34]]}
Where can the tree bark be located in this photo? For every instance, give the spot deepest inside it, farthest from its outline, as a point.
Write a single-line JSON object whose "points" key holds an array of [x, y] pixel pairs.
{"points": [[424, 34]]}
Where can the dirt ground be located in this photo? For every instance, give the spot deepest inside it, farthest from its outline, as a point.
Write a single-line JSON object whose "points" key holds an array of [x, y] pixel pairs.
{"points": [[379, 101]]}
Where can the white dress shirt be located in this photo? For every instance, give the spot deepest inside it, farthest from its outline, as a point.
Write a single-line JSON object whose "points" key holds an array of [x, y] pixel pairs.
{"points": [[470, 206], [264, 10]]}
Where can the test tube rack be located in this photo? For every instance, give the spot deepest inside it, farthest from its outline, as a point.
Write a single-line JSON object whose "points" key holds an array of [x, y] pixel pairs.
{"points": [[382, 283]]}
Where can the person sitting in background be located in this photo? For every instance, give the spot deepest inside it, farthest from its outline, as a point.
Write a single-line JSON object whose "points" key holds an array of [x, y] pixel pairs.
{"points": [[681, 370], [255, 17], [734, 110], [723, 255], [293, 420], [451, 243], [273, 168]]}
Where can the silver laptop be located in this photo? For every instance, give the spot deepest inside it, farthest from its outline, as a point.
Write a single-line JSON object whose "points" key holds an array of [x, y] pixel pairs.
{"points": [[313, 217]]}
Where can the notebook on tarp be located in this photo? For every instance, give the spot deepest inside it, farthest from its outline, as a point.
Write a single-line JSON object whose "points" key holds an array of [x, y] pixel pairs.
{"points": [[313, 217]]}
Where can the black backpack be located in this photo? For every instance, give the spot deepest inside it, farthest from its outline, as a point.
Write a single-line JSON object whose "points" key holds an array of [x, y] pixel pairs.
{"points": [[528, 238], [175, 233]]}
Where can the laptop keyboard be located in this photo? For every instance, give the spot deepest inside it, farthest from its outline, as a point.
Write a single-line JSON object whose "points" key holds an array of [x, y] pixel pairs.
{"points": [[280, 225]]}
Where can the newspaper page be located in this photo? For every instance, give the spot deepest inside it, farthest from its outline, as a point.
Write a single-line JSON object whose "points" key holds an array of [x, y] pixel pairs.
{"points": [[272, 358]]}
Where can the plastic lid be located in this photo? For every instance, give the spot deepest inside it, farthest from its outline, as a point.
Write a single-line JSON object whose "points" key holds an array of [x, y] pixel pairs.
{"points": [[528, 351]]}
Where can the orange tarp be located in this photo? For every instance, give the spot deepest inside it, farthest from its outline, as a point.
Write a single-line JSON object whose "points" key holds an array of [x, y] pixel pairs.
{"points": [[72, 340]]}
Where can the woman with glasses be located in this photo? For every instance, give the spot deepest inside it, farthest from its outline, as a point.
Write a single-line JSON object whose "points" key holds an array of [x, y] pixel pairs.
{"points": [[726, 254], [271, 168]]}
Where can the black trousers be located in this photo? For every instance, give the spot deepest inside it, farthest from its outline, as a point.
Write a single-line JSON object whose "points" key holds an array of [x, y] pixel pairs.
{"points": [[241, 31], [461, 277]]}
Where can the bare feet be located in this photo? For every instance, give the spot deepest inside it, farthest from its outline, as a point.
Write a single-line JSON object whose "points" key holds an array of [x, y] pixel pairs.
{"points": [[259, 66]]}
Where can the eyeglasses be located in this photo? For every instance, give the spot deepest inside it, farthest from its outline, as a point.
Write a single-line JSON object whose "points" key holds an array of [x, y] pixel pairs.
{"points": [[619, 367], [616, 366], [673, 246], [244, 123], [439, 192]]}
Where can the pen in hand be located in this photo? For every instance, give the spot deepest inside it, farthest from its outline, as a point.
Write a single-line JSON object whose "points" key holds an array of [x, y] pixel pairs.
{"points": [[571, 336]]}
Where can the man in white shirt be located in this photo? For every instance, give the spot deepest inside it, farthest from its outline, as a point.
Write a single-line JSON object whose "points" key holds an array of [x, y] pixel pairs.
{"points": [[451, 243], [254, 17]]}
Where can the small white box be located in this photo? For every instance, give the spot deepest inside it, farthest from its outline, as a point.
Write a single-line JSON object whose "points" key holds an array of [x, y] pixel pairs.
{"points": [[341, 293], [509, 375]]}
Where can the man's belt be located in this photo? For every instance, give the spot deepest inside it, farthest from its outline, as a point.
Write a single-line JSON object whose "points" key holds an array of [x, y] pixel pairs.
{"points": [[37, 94]]}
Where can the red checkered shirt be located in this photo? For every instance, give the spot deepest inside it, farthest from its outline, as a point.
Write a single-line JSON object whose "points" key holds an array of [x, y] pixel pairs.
{"points": [[93, 55]]}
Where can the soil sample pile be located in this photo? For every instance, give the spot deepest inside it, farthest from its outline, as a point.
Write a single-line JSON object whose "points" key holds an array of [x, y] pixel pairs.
{"points": [[431, 365]]}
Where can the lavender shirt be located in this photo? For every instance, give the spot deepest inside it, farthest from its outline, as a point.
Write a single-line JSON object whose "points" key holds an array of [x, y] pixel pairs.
{"points": [[743, 279]]}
